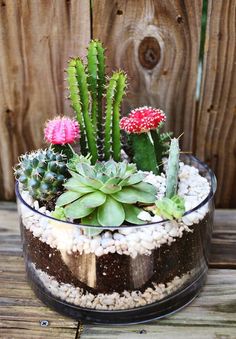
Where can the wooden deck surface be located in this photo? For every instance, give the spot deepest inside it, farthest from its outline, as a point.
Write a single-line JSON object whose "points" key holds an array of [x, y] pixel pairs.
{"points": [[212, 315]]}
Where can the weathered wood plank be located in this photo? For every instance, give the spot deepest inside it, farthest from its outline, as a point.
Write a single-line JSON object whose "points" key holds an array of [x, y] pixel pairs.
{"points": [[157, 43], [216, 123], [211, 314], [37, 37]]}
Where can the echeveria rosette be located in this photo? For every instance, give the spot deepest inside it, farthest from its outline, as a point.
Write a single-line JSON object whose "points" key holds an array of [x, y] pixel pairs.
{"points": [[61, 132], [106, 194], [149, 145]]}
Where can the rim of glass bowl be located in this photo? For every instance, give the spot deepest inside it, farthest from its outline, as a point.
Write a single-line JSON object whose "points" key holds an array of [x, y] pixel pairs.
{"points": [[213, 184]]}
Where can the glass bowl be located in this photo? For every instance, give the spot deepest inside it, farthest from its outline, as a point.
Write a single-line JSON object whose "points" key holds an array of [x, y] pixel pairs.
{"points": [[117, 275]]}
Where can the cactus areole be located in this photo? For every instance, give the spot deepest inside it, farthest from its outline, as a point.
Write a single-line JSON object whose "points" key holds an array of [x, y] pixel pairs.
{"points": [[112, 218]]}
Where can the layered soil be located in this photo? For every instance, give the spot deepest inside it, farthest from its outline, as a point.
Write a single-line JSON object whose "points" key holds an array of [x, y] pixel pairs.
{"points": [[113, 272]]}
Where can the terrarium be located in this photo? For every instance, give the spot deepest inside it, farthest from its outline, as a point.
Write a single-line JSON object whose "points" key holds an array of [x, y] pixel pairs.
{"points": [[115, 222]]}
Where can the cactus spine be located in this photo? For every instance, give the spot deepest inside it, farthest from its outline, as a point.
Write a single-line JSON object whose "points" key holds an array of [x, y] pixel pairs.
{"points": [[87, 86], [173, 169]]}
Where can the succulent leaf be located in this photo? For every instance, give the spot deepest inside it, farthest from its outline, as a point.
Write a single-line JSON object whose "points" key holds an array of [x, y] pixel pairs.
{"points": [[111, 213], [91, 220], [131, 214], [107, 185], [92, 200], [131, 195], [67, 198], [75, 210], [75, 186], [170, 208], [59, 213]]}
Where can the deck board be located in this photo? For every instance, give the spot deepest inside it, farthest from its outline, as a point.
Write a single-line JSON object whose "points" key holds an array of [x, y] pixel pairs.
{"points": [[212, 315]]}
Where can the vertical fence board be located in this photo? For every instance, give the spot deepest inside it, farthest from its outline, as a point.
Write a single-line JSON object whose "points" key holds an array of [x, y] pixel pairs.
{"points": [[216, 118], [157, 43], [36, 38]]}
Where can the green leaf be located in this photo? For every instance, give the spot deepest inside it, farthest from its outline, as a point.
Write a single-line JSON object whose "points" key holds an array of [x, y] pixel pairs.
{"points": [[110, 186], [91, 220], [146, 187], [111, 213], [67, 197], [170, 208], [76, 210], [130, 195], [86, 181], [74, 185], [131, 213], [134, 179], [92, 200], [59, 213], [85, 170]]}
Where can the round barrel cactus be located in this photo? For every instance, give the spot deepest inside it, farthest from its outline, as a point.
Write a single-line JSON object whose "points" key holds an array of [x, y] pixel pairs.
{"points": [[42, 173]]}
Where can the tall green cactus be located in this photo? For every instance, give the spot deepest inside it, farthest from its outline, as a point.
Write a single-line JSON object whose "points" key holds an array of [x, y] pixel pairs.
{"points": [[120, 91], [100, 135], [114, 95], [173, 169], [75, 100]]}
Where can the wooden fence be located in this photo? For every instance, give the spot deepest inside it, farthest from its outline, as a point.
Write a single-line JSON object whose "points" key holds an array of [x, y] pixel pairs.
{"points": [[157, 42]]}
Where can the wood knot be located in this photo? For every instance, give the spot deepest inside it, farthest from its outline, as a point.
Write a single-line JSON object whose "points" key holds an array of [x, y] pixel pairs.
{"points": [[149, 52], [179, 19], [119, 12]]}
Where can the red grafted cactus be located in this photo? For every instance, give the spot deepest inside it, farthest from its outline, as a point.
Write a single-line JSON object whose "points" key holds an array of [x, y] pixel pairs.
{"points": [[142, 120], [61, 131], [148, 143]]}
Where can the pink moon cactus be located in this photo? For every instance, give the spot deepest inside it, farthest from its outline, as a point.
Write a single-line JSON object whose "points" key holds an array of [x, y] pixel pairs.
{"points": [[61, 131]]}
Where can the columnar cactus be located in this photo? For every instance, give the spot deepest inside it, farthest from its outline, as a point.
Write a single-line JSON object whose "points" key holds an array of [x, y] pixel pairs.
{"points": [[99, 135], [173, 169], [172, 205]]}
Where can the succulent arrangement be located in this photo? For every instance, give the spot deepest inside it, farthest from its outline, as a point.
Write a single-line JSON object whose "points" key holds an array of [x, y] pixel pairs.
{"points": [[95, 185]]}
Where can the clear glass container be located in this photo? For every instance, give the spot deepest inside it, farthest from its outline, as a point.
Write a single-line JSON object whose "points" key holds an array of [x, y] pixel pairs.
{"points": [[126, 274]]}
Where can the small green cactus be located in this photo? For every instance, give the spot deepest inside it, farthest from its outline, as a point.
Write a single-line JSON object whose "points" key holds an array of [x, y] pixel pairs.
{"points": [[105, 194], [172, 205], [173, 169], [87, 86], [42, 173]]}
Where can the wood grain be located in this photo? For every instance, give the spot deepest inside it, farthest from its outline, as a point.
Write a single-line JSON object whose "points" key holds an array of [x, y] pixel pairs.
{"points": [[216, 117], [212, 315], [36, 38], [157, 43]]}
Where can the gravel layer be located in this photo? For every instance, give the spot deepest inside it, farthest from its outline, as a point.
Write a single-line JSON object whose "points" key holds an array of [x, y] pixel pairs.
{"points": [[130, 240], [113, 301]]}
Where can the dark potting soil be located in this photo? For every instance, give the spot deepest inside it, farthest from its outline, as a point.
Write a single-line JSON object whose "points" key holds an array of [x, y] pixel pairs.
{"points": [[113, 272]]}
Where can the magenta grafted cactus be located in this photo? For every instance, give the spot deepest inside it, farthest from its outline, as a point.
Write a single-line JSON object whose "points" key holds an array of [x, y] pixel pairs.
{"points": [[61, 131]]}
